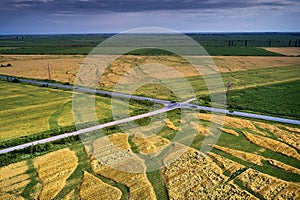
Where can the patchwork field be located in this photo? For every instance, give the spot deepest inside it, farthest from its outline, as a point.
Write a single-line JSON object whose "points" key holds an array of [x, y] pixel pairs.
{"points": [[64, 68], [251, 160], [244, 72]]}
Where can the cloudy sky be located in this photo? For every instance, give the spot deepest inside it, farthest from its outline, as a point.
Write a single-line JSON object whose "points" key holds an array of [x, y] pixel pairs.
{"points": [[100, 16]]}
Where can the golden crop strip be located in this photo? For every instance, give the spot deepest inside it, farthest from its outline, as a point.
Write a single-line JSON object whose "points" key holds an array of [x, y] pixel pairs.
{"points": [[124, 167], [13, 178], [226, 164], [269, 187], [195, 176], [93, 188], [249, 157], [273, 145], [53, 170]]}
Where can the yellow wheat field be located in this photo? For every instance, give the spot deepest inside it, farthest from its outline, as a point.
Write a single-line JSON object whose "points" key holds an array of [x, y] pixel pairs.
{"points": [[13, 178], [272, 145], [64, 68], [269, 187], [249, 157], [293, 129], [226, 164], [6, 196], [195, 176], [120, 140], [229, 190], [70, 195], [284, 166], [232, 122], [229, 131], [288, 136], [202, 130], [151, 145], [288, 51], [93, 188], [170, 125], [53, 170], [121, 166]]}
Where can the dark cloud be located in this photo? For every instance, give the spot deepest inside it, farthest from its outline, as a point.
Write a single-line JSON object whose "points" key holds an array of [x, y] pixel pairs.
{"points": [[44, 16], [105, 6]]}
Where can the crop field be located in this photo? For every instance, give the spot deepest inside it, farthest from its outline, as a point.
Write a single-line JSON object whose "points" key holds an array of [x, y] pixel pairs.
{"points": [[262, 100], [288, 51], [215, 44], [252, 164], [26, 109], [252, 77], [251, 159], [64, 68]]}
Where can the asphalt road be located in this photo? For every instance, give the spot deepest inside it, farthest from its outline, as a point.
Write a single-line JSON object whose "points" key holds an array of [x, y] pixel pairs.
{"points": [[86, 130], [168, 106]]}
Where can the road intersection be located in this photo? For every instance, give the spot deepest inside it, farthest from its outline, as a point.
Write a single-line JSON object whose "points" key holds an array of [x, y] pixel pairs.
{"points": [[168, 105]]}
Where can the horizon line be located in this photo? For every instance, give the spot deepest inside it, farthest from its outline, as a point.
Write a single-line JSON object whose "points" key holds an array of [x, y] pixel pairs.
{"points": [[114, 33]]}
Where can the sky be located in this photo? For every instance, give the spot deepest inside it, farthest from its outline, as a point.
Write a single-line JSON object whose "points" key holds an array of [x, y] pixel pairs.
{"points": [[114, 16]]}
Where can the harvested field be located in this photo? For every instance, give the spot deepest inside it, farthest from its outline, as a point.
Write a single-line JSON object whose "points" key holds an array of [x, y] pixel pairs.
{"points": [[6, 196], [196, 176], [202, 130], [138, 184], [229, 131], [13, 178], [53, 170], [170, 125], [269, 187], [284, 166], [120, 140], [70, 196], [226, 164], [249, 157], [233, 122], [230, 191], [93, 188], [293, 129], [64, 68], [151, 145], [289, 137], [288, 51], [241, 63], [273, 145], [121, 166]]}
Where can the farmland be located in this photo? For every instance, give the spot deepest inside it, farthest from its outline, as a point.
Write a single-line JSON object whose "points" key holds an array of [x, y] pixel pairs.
{"points": [[251, 77], [224, 171], [251, 159], [30, 109], [215, 44]]}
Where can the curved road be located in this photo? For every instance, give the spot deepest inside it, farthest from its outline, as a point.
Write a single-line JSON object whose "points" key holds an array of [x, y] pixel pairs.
{"points": [[168, 106]]}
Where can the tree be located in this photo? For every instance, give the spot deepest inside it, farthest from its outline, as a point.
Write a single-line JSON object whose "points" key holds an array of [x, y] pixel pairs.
{"points": [[290, 42], [270, 42]]}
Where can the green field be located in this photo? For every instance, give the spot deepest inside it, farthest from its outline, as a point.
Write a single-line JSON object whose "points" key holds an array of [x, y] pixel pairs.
{"points": [[269, 90], [235, 44], [205, 39], [275, 99], [27, 109], [213, 51]]}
